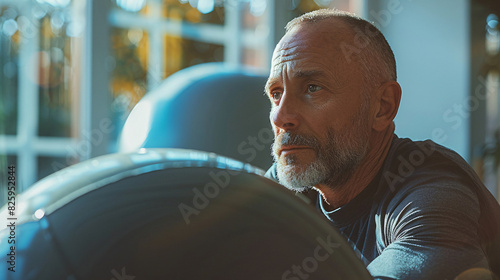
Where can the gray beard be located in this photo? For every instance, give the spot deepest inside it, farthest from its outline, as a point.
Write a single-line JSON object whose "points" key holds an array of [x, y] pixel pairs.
{"points": [[336, 160]]}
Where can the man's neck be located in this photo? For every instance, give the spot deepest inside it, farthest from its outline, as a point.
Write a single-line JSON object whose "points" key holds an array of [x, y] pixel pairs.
{"points": [[338, 196]]}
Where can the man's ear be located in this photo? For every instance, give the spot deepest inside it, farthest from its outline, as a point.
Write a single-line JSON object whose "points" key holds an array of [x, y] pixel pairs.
{"points": [[387, 101]]}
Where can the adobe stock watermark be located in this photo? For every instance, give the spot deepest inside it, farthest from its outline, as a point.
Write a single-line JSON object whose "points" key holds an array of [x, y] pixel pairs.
{"points": [[457, 114], [95, 137], [210, 190], [254, 144], [310, 264], [407, 165], [362, 37], [221, 179], [383, 17], [121, 275]]}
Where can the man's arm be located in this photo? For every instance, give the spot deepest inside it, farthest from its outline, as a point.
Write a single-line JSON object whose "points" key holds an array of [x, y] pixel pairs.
{"points": [[429, 232]]}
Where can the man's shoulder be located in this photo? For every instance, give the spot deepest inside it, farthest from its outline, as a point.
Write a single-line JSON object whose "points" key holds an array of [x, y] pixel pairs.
{"points": [[419, 162], [428, 175], [424, 176], [431, 188]]}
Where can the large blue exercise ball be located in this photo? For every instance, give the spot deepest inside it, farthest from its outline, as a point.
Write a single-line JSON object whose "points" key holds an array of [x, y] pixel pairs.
{"points": [[209, 107]]}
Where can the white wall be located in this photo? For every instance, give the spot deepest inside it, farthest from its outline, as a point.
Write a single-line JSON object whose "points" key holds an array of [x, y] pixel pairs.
{"points": [[430, 40]]}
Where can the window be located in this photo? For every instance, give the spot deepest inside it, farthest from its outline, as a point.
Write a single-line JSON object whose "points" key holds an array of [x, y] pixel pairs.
{"points": [[39, 56], [486, 88]]}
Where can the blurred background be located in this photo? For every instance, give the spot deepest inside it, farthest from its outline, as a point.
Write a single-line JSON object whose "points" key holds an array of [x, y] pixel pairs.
{"points": [[72, 70]]}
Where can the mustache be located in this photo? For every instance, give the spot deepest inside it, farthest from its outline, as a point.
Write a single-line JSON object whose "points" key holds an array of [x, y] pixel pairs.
{"points": [[293, 139]]}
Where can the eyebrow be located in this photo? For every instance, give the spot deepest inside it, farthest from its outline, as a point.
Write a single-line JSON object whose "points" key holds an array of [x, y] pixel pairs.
{"points": [[299, 74], [309, 73]]}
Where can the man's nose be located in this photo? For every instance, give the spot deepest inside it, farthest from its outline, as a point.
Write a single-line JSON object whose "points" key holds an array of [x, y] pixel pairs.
{"points": [[285, 115]]}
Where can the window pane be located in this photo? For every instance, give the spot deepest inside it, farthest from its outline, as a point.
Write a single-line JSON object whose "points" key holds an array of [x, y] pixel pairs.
{"points": [[9, 57], [182, 53], [129, 50], [198, 11], [254, 13], [253, 57], [54, 78]]}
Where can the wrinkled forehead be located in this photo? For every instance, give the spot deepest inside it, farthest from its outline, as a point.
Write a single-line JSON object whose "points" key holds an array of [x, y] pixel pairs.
{"points": [[310, 43]]}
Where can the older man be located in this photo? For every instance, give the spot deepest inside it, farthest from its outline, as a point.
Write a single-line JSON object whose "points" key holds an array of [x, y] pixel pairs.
{"points": [[411, 210]]}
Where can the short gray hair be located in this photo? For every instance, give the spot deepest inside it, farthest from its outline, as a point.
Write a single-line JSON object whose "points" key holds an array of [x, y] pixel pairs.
{"points": [[375, 57]]}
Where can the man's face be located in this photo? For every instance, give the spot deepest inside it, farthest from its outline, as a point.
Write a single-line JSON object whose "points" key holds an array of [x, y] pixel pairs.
{"points": [[319, 116]]}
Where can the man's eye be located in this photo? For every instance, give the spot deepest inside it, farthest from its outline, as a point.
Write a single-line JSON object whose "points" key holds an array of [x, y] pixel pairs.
{"points": [[313, 88], [276, 95]]}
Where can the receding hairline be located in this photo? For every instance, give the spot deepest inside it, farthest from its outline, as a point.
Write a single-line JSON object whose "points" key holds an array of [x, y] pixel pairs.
{"points": [[352, 22], [321, 15]]}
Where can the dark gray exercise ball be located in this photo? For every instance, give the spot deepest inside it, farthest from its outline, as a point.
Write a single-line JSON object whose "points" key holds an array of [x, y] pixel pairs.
{"points": [[172, 214]]}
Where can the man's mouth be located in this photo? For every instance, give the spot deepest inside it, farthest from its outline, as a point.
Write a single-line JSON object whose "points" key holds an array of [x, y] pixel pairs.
{"points": [[285, 150]]}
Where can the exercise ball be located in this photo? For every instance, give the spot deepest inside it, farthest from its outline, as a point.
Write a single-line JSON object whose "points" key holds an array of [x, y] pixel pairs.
{"points": [[170, 214], [209, 107]]}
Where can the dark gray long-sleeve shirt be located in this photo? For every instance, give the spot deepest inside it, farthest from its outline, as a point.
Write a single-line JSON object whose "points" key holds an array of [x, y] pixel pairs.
{"points": [[426, 215]]}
